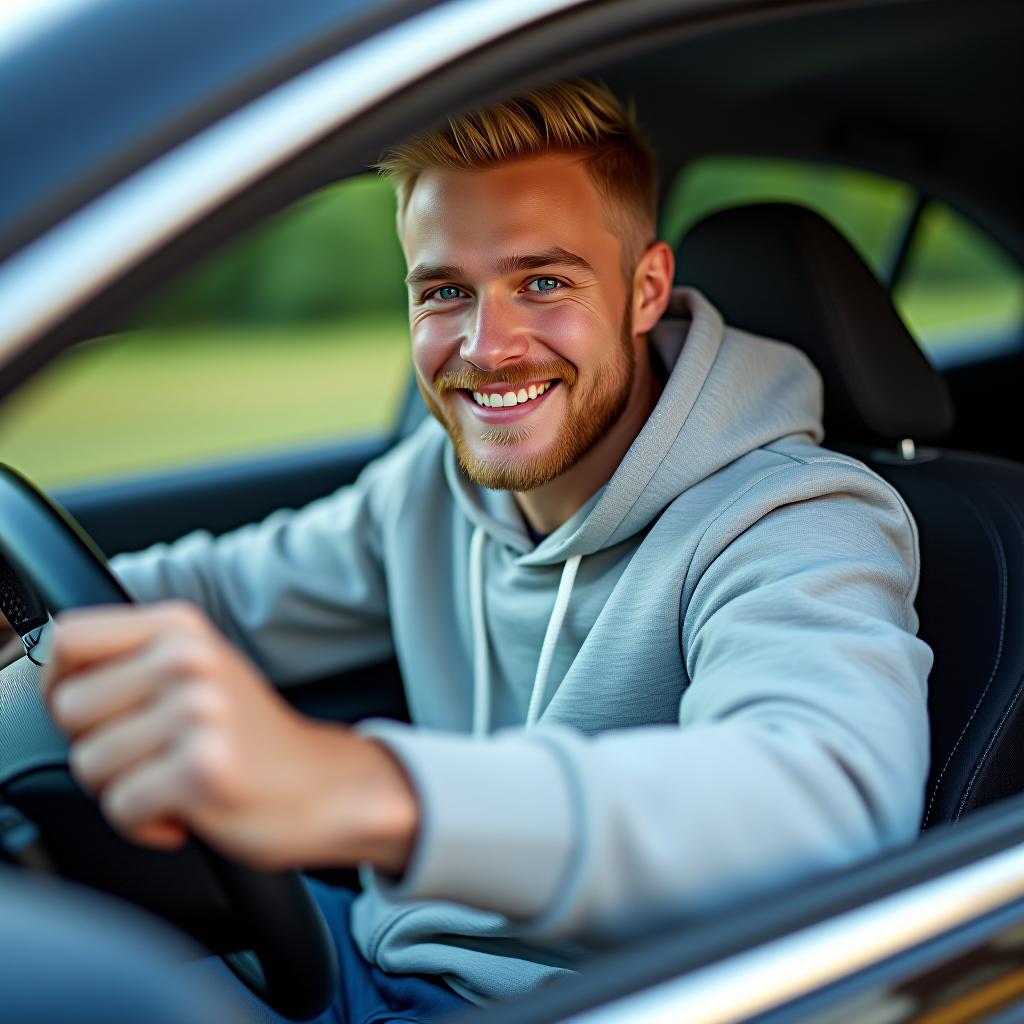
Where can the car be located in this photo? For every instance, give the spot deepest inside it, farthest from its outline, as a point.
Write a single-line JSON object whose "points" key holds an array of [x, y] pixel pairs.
{"points": [[171, 165]]}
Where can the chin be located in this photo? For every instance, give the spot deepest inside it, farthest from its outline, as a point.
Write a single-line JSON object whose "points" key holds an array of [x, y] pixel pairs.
{"points": [[509, 469]]}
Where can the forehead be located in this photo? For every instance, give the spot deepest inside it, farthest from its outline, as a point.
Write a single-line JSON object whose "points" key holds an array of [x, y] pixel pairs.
{"points": [[526, 205]]}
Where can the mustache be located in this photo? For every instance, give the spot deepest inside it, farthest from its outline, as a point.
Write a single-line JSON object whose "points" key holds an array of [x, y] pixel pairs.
{"points": [[469, 378]]}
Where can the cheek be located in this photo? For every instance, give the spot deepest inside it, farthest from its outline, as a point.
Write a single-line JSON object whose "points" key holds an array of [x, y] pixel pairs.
{"points": [[434, 343], [571, 330]]}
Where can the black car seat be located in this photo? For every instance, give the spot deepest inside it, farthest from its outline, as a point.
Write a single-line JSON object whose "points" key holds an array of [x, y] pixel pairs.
{"points": [[782, 271]]}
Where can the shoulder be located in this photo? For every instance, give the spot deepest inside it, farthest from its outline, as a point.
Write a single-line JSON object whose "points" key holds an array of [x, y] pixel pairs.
{"points": [[795, 469], [794, 502]]}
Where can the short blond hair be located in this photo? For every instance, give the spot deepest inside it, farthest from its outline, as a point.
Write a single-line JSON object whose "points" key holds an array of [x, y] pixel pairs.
{"points": [[572, 117]]}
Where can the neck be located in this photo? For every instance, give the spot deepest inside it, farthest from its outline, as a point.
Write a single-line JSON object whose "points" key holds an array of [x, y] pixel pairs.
{"points": [[548, 506]]}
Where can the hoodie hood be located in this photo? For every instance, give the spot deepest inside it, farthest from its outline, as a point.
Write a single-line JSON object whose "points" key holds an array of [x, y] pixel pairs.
{"points": [[727, 394]]}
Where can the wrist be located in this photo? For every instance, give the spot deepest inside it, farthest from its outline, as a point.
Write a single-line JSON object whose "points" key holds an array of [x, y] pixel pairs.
{"points": [[367, 810]]}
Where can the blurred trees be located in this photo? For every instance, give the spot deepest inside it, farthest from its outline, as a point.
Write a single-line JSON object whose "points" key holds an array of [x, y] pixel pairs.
{"points": [[332, 255]]}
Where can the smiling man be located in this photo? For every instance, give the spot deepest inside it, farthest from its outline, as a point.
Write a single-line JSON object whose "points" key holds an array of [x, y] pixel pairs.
{"points": [[658, 645]]}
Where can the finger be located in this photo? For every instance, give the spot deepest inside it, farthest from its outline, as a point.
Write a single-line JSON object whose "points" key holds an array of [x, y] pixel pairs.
{"points": [[86, 699], [162, 835], [87, 635], [112, 749], [147, 796]]}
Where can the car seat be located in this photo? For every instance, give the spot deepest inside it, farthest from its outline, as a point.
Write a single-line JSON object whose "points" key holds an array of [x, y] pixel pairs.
{"points": [[782, 271]]}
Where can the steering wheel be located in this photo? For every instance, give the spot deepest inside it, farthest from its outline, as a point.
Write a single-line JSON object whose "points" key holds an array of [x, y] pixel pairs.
{"points": [[289, 958]]}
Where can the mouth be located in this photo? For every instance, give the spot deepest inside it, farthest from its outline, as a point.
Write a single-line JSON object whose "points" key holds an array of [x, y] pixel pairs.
{"points": [[502, 403]]}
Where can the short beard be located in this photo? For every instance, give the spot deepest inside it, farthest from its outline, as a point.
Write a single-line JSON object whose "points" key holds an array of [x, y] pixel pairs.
{"points": [[590, 414]]}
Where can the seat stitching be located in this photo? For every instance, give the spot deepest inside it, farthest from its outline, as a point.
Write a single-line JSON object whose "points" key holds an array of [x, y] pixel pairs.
{"points": [[998, 548], [1009, 709], [984, 756]]}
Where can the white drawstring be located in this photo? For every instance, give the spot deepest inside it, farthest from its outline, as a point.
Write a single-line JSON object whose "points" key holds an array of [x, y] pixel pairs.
{"points": [[481, 659], [481, 691], [547, 651]]}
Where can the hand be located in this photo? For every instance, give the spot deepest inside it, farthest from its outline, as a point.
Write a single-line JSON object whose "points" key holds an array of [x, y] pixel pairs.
{"points": [[176, 731]]}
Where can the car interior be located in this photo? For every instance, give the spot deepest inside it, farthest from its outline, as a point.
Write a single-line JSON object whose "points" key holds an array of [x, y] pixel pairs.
{"points": [[919, 97]]}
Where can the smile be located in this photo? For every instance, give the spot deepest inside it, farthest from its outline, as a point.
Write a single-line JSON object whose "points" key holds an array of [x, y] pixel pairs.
{"points": [[506, 399], [499, 402]]}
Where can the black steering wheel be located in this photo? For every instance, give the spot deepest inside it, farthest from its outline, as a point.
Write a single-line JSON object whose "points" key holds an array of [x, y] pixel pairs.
{"points": [[288, 956]]}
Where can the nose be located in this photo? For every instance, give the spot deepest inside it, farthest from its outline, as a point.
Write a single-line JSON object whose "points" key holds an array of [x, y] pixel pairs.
{"points": [[495, 336]]}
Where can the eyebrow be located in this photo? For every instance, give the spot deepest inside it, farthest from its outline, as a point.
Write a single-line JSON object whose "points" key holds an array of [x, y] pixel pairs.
{"points": [[556, 255]]}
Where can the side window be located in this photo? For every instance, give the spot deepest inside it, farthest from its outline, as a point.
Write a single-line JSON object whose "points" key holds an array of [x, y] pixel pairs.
{"points": [[295, 334], [960, 294]]}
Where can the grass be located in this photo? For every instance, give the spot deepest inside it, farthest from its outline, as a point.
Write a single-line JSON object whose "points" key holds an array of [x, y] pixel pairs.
{"points": [[147, 399]]}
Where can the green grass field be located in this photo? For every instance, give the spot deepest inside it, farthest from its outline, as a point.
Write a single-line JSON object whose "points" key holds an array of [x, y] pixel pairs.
{"points": [[139, 401]]}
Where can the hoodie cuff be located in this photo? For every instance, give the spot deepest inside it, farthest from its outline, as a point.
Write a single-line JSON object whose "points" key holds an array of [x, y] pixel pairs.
{"points": [[496, 829]]}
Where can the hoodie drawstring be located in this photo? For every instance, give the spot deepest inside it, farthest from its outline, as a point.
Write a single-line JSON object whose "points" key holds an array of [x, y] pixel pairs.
{"points": [[481, 654], [481, 659]]}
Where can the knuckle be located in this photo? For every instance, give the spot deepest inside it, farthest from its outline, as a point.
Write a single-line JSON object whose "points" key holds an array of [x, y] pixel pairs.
{"points": [[197, 703], [185, 615], [189, 658], [207, 767]]}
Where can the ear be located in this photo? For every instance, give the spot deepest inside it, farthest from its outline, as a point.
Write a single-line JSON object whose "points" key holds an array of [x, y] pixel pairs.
{"points": [[652, 286]]}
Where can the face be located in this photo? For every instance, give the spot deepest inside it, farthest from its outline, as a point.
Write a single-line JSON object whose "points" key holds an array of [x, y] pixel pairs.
{"points": [[520, 316]]}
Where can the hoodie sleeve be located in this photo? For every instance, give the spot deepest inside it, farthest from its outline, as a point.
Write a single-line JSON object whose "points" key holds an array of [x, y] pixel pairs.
{"points": [[303, 593], [802, 742]]}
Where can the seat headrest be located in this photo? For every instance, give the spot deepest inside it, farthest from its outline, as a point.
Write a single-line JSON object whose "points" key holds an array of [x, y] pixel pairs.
{"points": [[783, 271]]}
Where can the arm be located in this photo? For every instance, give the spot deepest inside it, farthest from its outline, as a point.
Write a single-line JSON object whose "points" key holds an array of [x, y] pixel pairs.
{"points": [[803, 747], [303, 593]]}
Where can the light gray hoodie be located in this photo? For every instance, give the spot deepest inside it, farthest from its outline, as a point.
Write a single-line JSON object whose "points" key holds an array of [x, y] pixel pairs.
{"points": [[704, 685]]}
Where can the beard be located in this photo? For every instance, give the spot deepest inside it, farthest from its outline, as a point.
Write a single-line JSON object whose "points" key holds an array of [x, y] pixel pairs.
{"points": [[592, 407]]}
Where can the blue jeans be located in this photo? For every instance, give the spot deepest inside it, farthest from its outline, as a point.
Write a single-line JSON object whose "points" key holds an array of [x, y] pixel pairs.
{"points": [[366, 995]]}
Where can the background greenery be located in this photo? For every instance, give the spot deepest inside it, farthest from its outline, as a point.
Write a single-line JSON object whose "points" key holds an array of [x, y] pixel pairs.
{"points": [[297, 332]]}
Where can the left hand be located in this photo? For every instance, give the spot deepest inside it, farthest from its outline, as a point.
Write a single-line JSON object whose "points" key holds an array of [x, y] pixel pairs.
{"points": [[176, 731]]}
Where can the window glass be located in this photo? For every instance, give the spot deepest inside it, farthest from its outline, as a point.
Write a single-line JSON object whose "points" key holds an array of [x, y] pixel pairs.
{"points": [[961, 295], [295, 334], [868, 209]]}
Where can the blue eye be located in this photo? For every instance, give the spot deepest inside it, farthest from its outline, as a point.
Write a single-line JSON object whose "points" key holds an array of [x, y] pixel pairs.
{"points": [[546, 284], [448, 292]]}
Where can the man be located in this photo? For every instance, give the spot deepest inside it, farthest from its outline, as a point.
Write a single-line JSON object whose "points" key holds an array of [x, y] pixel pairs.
{"points": [[658, 645]]}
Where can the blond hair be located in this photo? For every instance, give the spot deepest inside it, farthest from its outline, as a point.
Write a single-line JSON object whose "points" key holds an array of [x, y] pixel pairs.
{"points": [[573, 117]]}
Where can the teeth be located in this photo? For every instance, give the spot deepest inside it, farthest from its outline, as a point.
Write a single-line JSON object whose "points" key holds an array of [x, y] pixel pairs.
{"points": [[510, 398]]}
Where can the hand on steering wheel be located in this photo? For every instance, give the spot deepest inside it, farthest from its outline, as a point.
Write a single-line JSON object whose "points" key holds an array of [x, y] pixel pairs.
{"points": [[295, 966]]}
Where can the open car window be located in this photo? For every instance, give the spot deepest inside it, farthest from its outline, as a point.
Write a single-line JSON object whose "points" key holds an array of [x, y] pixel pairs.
{"points": [[956, 288], [292, 335]]}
